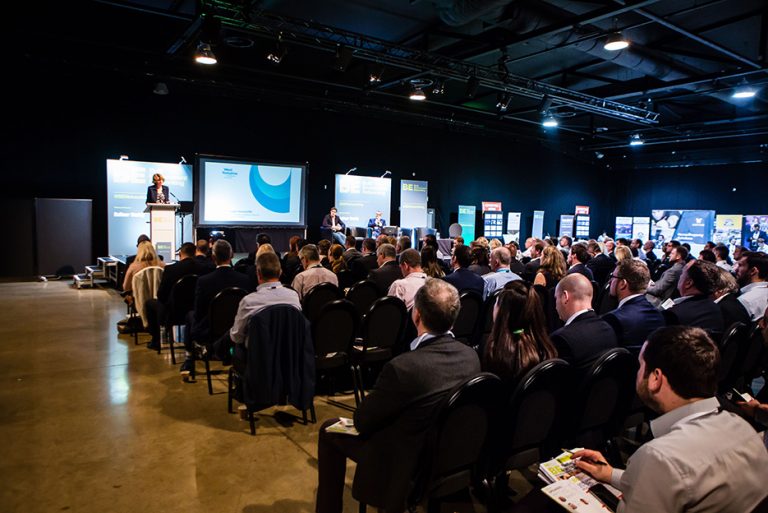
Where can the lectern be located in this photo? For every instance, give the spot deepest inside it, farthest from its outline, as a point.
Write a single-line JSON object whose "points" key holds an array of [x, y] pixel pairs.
{"points": [[162, 227]]}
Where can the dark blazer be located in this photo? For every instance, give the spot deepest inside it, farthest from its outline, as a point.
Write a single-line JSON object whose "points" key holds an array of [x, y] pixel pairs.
{"points": [[173, 273], [376, 230], [699, 311], [601, 267], [464, 279], [206, 263], [360, 267], [582, 269], [207, 288], [733, 311], [517, 267], [531, 268], [327, 223], [395, 417], [480, 270], [634, 321], [152, 194], [350, 254], [385, 275], [584, 340]]}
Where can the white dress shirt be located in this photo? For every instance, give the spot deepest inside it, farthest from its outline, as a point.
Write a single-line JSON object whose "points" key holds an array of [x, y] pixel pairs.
{"points": [[754, 297], [405, 288]]}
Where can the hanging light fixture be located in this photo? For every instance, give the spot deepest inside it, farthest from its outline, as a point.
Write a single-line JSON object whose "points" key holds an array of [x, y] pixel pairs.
{"points": [[616, 41], [636, 140], [549, 121], [161, 89], [204, 54], [743, 91], [417, 94], [418, 85]]}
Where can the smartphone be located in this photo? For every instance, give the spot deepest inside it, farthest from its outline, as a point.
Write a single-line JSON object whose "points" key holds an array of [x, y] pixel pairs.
{"points": [[740, 396], [605, 496]]}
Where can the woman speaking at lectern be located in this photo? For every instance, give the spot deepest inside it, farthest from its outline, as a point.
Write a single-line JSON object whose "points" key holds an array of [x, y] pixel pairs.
{"points": [[158, 193]]}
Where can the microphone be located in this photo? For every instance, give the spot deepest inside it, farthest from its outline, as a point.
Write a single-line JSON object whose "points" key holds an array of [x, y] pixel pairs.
{"points": [[387, 172], [351, 170], [174, 196]]}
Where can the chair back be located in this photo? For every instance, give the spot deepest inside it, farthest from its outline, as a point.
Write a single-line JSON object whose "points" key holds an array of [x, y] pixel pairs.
{"points": [[383, 325], [144, 286], [595, 294], [601, 402], [346, 279], [548, 305], [333, 333], [469, 313], [362, 294], [732, 346], [606, 302], [485, 323], [317, 298], [458, 437], [754, 360], [182, 299], [359, 232], [528, 424], [222, 311], [455, 230]]}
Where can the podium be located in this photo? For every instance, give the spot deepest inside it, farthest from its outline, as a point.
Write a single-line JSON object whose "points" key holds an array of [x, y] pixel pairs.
{"points": [[162, 228]]}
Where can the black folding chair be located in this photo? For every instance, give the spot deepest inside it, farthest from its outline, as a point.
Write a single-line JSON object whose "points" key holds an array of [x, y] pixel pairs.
{"points": [[485, 323], [182, 300], [363, 294], [333, 334], [733, 347], [317, 298], [469, 314], [346, 279]]}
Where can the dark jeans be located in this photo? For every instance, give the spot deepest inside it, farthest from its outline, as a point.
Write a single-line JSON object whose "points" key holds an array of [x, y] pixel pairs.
{"points": [[333, 449], [155, 312]]}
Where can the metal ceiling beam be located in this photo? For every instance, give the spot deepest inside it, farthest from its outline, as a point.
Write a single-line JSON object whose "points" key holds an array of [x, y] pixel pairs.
{"points": [[676, 139]]}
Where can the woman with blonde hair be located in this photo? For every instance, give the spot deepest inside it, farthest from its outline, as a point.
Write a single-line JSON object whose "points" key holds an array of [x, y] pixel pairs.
{"points": [[336, 258], [146, 256], [518, 339], [622, 253], [552, 268], [495, 243]]}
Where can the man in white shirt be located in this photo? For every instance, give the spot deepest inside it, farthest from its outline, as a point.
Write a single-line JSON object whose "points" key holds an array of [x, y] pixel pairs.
{"points": [[413, 277], [752, 273], [313, 274], [702, 458], [721, 257]]}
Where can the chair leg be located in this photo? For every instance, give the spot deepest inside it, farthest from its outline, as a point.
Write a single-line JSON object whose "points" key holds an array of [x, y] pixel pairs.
{"points": [[230, 378], [355, 385], [304, 417], [171, 343], [361, 382], [313, 416], [208, 373], [252, 422], [362, 508]]}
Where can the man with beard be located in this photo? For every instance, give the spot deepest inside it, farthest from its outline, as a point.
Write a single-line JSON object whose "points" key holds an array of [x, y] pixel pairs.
{"points": [[702, 457], [751, 274]]}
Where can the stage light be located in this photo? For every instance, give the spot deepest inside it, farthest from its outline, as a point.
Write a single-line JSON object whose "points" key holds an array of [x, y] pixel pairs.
{"points": [[743, 92], [503, 102], [546, 103], [204, 54], [377, 71], [276, 57], [161, 89], [439, 87], [417, 94], [549, 121], [636, 140], [472, 85], [616, 42], [343, 58]]}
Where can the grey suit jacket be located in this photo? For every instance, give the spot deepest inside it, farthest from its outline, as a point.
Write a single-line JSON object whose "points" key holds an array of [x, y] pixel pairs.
{"points": [[663, 289]]}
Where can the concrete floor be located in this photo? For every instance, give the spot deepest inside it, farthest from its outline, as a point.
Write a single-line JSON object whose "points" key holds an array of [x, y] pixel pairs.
{"points": [[91, 422]]}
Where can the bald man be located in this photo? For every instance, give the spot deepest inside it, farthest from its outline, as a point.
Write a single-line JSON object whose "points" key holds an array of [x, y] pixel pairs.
{"points": [[585, 336]]}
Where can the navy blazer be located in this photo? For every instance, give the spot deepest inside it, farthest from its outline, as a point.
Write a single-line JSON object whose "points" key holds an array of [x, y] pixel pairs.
{"points": [[152, 194], [699, 311], [601, 267], [584, 340], [385, 276], [582, 269], [464, 279], [634, 321], [733, 311]]}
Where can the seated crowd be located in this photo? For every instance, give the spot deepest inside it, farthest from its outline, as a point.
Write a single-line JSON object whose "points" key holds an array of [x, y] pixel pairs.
{"points": [[551, 299]]}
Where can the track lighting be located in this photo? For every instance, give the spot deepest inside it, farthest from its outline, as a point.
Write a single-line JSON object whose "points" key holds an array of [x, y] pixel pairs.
{"points": [[472, 85], [549, 121], [417, 94], [204, 54], [503, 102], [636, 140], [377, 71]]}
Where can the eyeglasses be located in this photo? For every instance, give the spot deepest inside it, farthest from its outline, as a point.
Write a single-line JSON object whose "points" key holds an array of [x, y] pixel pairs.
{"points": [[617, 277]]}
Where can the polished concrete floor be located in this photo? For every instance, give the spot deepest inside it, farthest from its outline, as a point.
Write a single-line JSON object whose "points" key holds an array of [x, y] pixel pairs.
{"points": [[91, 422]]}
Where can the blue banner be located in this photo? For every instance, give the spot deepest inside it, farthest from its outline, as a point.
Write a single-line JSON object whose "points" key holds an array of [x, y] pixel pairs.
{"points": [[695, 227]]}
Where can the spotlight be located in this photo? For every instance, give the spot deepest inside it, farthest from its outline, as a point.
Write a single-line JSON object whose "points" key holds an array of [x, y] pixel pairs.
{"points": [[549, 121], [636, 140], [546, 103], [503, 102], [343, 58], [616, 42], [743, 92], [276, 57], [417, 94], [161, 89], [204, 54], [472, 85], [439, 87], [599, 155], [377, 71]]}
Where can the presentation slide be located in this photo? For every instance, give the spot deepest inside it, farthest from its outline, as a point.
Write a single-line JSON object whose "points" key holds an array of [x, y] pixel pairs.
{"points": [[754, 234], [641, 227], [537, 230], [623, 228], [241, 193], [359, 197], [467, 221], [127, 183], [413, 204]]}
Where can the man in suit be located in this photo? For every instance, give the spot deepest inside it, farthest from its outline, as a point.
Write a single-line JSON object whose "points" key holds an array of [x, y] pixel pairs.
{"points": [[600, 264], [694, 307], [585, 336], [752, 277], [515, 265], [664, 288], [395, 417], [367, 262], [635, 318], [350, 250], [577, 259], [388, 270], [461, 277], [532, 267], [203, 256], [726, 296], [335, 225], [224, 276], [158, 193], [376, 224]]}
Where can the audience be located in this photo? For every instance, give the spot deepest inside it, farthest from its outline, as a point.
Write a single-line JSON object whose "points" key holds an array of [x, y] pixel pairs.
{"points": [[203, 256], [635, 318], [413, 278], [360, 267], [702, 457], [518, 339], [725, 293], [146, 256], [552, 268], [388, 271], [515, 265], [532, 267], [291, 263], [313, 274], [585, 336], [666, 286], [350, 250], [500, 274], [708, 256], [394, 418], [461, 277], [323, 246], [336, 259], [429, 262], [694, 307], [721, 257], [600, 264], [403, 243], [752, 276], [577, 259], [480, 263]]}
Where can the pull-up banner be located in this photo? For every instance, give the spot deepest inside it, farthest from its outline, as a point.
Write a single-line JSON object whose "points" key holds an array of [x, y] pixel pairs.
{"points": [[413, 204], [467, 221]]}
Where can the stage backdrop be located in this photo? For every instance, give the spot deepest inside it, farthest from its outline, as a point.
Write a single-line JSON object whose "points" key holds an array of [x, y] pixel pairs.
{"points": [[359, 197], [127, 182], [413, 204]]}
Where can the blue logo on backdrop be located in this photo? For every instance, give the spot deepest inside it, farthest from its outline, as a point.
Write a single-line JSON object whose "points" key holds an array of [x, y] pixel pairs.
{"points": [[276, 198]]}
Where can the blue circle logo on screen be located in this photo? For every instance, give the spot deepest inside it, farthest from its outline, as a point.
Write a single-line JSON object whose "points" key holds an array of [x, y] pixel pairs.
{"points": [[276, 198]]}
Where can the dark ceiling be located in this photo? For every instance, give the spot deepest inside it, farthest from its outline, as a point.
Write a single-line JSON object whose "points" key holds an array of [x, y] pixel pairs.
{"points": [[672, 86]]}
